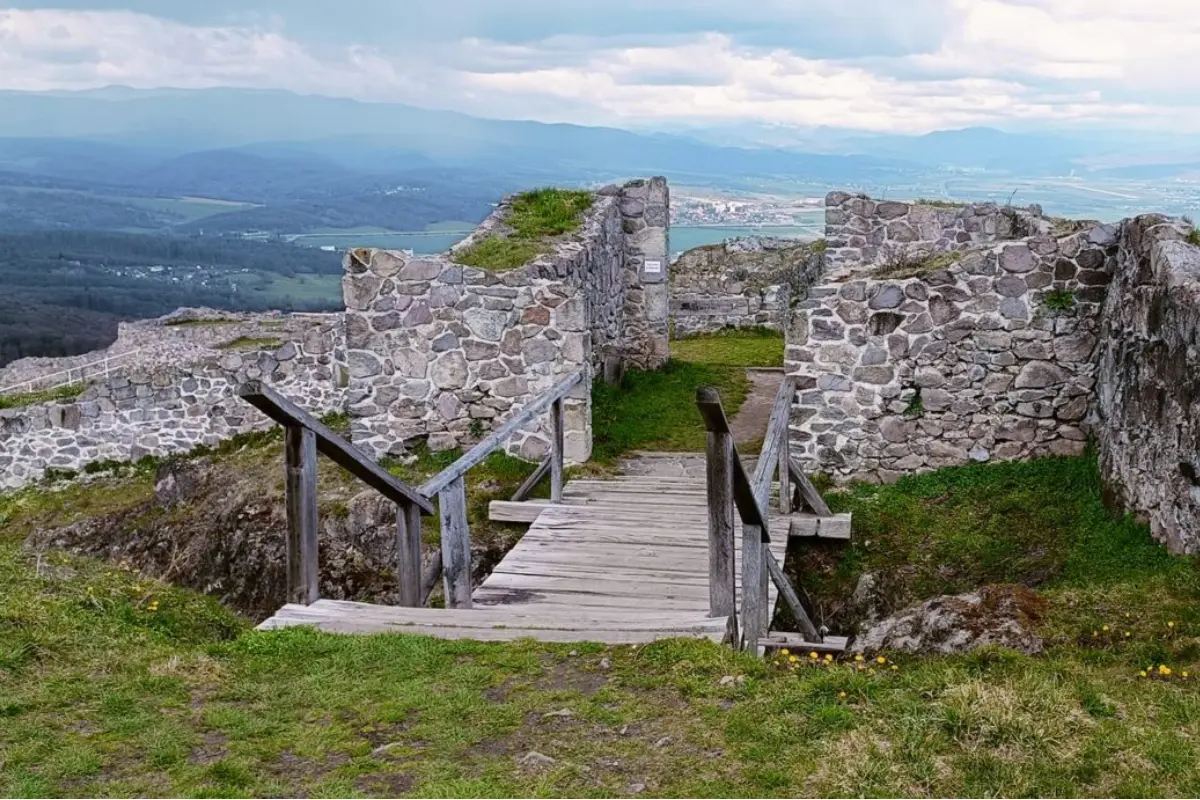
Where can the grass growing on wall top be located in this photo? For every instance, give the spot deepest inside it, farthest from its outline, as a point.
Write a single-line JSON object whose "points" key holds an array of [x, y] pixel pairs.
{"points": [[744, 347], [246, 343], [535, 218], [44, 396]]}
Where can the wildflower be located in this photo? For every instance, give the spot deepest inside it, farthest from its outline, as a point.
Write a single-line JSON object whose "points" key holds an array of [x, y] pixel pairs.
{"points": [[1105, 629], [1170, 624], [1183, 674], [154, 605], [792, 659], [1142, 674], [813, 655], [783, 652], [829, 657], [1164, 670], [842, 695], [858, 657], [881, 660], [1127, 634], [894, 668], [1095, 634]]}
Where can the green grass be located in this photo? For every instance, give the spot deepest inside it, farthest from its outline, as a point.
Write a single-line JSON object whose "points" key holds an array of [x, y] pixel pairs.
{"points": [[200, 323], [252, 343], [1193, 237], [535, 218], [938, 203], [118, 685], [26, 399], [917, 267], [1059, 300], [753, 347]]}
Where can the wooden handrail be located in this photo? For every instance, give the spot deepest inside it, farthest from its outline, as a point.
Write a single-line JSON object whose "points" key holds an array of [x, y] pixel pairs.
{"points": [[482, 450], [334, 447], [708, 400], [775, 442]]}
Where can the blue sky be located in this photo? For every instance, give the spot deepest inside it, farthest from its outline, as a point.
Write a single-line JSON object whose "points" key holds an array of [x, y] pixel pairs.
{"points": [[900, 66]]}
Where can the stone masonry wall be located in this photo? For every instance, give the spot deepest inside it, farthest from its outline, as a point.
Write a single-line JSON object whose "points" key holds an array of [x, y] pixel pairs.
{"points": [[740, 283], [859, 230], [1149, 373], [440, 351], [167, 408], [965, 362]]}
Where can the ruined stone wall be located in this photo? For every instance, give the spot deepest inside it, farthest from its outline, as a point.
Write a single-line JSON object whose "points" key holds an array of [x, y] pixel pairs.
{"points": [[441, 351], [168, 407], [740, 283], [859, 230], [1149, 373], [971, 361]]}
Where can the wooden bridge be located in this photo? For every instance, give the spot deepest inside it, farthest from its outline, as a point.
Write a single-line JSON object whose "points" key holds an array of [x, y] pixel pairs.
{"points": [[621, 561]]}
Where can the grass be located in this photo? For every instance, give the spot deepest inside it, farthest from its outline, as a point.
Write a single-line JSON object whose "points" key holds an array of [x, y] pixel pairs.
{"points": [[746, 347], [251, 343], [534, 219], [26, 399], [1059, 300], [913, 268], [199, 323], [937, 203], [117, 685], [1193, 237]]}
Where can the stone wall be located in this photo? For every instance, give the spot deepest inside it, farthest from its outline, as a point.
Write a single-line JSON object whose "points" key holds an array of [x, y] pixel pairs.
{"points": [[168, 407], [970, 361], [859, 230], [740, 283], [440, 351], [1149, 372]]}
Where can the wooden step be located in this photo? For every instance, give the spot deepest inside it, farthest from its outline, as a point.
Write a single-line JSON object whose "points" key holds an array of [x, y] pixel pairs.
{"points": [[795, 642], [811, 526]]}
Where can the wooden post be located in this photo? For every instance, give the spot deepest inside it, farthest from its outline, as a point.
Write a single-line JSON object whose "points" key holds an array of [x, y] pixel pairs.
{"points": [[456, 544], [557, 421], [785, 473], [300, 499], [754, 597], [722, 586], [408, 554]]}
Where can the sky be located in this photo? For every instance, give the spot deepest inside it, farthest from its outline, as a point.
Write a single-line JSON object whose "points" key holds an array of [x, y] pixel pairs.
{"points": [[903, 66]]}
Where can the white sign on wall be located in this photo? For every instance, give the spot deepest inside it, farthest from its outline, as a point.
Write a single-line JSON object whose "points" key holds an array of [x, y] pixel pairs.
{"points": [[653, 267]]}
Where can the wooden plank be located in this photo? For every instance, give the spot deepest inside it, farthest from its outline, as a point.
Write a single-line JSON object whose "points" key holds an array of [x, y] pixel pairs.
{"points": [[789, 596], [838, 526], [533, 480], [754, 617], [784, 472], [610, 637], [557, 421], [456, 544], [774, 442], [300, 500], [332, 446], [408, 554], [808, 491], [481, 451], [792, 641], [508, 511], [430, 576], [721, 576]]}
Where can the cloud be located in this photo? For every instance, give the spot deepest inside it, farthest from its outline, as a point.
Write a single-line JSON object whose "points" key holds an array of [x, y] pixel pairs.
{"points": [[873, 65]]}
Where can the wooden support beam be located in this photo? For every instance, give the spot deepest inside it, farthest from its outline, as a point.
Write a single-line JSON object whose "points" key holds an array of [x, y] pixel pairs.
{"points": [[777, 639], [775, 441], [557, 421], [785, 472], [808, 491], [408, 554], [525, 512], [755, 619], [532, 481], [300, 498], [456, 544], [788, 593], [430, 577], [722, 580]]}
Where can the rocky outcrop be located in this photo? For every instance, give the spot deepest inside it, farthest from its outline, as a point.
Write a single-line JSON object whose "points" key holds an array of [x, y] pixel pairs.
{"points": [[1002, 616]]}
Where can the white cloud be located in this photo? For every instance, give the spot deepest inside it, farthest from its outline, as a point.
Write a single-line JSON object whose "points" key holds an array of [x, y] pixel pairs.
{"points": [[953, 63]]}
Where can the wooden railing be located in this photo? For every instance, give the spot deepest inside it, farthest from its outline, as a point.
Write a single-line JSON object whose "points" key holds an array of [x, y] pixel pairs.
{"points": [[730, 489], [449, 485], [304, 437]]}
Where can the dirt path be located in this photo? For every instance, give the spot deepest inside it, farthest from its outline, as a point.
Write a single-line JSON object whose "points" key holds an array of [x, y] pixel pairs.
{"points": [[749, 425]]}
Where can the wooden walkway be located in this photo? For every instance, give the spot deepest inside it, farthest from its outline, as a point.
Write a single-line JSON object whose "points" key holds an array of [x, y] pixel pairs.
{"points": [[621, 561]]}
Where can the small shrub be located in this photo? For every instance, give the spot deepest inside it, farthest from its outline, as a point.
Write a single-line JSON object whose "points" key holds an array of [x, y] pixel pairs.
{"points": [[1059, 300], [819, 246], [916, 406], [1193, 237], [476, 428]]}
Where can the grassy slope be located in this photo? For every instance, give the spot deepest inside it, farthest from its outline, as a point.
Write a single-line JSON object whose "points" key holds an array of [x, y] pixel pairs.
{"points": [[113, 684]]}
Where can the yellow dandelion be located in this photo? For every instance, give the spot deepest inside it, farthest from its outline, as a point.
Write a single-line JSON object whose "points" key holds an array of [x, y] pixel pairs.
{"points": [[783, 652], [792, 659], [829, 657], [813, 655], [1127, 634], [842, 694], [894, 668], [858, 657], [1183, 674], [1142, 674], [1164, 670], [1170, 624], [1105, 629], [881, 660]]}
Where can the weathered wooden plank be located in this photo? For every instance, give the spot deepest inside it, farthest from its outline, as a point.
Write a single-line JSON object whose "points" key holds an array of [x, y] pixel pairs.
{"points": [[719, 479], [837, 526], [430, 576], [831, 644], [509, 511], [456, 544], [610, 637], [332, 446], [533, 480], [408, 554], [788, 593], [808, 491], [481, 451], [300, 499], [557, 423], [754, 618], [775, 441], [784, 471]]}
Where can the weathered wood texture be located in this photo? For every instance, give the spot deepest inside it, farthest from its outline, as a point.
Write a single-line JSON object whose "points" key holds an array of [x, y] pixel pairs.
{"points": [[557, 421], [532, 481], [300, 482], [775, 569], [755, 616], [808, 491], [332, 446], [456, 544], [499, 436], [408, 554], [719, 483]]}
